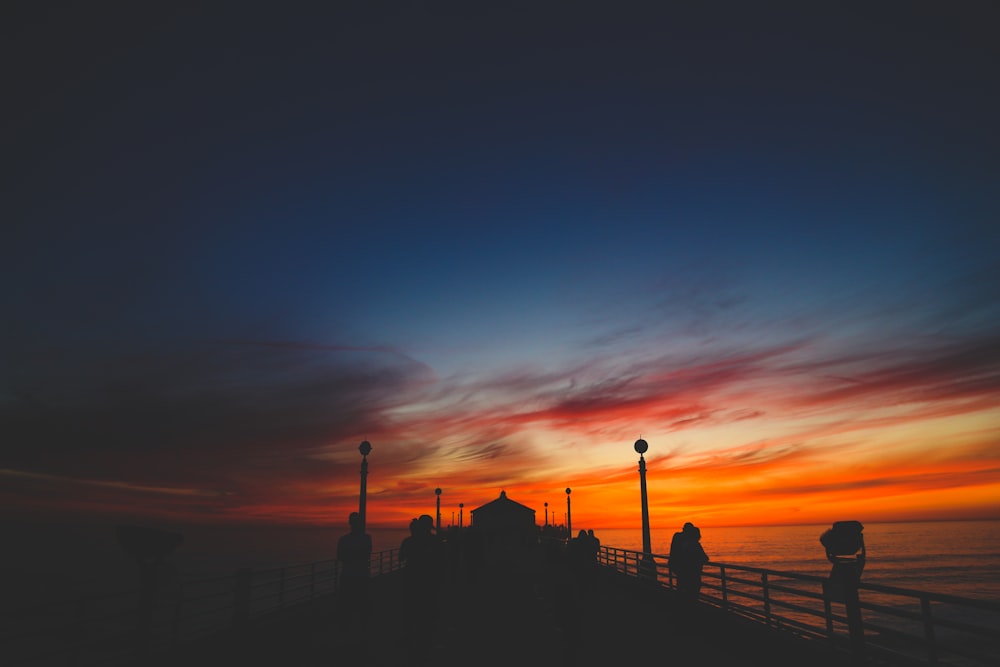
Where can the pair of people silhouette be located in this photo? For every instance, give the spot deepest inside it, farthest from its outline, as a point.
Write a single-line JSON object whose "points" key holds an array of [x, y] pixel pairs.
{"points": [[582, 552], [421, 554], [354, 551], [686, 560], [423, 569]]}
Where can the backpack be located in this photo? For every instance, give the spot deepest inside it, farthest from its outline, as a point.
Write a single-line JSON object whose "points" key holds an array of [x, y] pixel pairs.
{"points": [[844, 538]]}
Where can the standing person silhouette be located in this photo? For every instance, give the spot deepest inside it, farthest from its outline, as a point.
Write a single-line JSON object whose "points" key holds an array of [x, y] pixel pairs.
{"points": [[676, 542], [422, 570], [354, 551], [687, 558], [845, 549]]}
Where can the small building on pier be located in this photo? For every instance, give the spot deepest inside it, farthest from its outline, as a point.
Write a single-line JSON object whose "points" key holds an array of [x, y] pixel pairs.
{"points": [[505, 525]]}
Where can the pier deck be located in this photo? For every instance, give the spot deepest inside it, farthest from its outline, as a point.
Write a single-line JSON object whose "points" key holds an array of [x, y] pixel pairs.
{"points": [[506, 618]]}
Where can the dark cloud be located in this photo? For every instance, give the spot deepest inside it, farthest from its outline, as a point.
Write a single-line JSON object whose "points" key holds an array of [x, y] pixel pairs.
{"points": [[196, 410], [938, 372]]}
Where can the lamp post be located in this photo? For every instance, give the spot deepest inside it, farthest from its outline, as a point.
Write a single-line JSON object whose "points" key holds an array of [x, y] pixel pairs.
{"points": [[437, 492], [648, 564], [461, 507], [546, 515], [569, 516], [365, 448]]}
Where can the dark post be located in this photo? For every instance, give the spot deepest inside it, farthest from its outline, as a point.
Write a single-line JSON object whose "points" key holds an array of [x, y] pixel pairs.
{"points": [[365, 448], [546, 515], [242, 594], [648, 564], [437, 492], [569, 516], [461, 507], [149, 547]]}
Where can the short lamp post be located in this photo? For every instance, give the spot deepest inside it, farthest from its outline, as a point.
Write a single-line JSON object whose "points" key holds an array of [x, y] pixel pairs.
{"points": [[365, 448], [437, 492], [648, 564], [569, 515]]}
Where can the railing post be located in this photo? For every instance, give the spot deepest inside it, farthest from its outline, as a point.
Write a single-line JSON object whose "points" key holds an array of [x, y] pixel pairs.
{"points": [[242, 592], [722, 581], [925, 610], [79, 630], [855, 626], [828, 613], [767, 597], [312, 580], [176, 629]]}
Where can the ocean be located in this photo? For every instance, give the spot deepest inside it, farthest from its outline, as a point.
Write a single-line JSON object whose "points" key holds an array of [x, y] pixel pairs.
{"points": [[955, 557]]}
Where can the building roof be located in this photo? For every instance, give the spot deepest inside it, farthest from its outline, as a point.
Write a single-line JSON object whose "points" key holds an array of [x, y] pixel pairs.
{"points": [[503, 504]]}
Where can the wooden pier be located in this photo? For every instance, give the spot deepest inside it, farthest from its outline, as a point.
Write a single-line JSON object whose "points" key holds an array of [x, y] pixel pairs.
{"points": [[526, 610], [508, 619]]}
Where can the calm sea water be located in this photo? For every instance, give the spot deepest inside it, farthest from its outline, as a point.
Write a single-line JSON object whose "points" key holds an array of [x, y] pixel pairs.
{"points": [[955, 557]]}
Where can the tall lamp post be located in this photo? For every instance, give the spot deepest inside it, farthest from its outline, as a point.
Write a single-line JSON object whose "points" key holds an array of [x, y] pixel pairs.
{"points": [[648, 564], [365, 448], [437, 492], [546, 514], [461, 508], [569, 516]]}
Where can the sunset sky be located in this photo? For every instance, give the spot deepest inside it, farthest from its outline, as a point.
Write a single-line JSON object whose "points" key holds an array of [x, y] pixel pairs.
{"points": [[501, 242]]}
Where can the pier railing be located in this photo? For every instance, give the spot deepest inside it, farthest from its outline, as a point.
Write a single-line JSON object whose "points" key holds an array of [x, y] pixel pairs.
{"points": [[899, 625], [112, 629]]}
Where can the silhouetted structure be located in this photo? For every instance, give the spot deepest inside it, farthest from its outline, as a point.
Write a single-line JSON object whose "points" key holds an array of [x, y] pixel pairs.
{"points": [[648, 565], [354, 551], [365, 448], [505, 525]]}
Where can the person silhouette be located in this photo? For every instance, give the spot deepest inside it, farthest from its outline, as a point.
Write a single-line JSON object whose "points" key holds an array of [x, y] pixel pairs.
{"points": [[354, 550], [421, 556], [687, 558], [845, 548], [595, 543], [676, 542]]}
